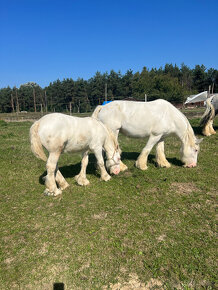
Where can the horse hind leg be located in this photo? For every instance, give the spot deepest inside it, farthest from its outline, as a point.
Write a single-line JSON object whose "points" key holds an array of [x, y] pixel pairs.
{"points": [[206, 130], [63, 184], [81, 177], [123, 166], [211, 129], [51, 165], [141, 162], [160, 155]]}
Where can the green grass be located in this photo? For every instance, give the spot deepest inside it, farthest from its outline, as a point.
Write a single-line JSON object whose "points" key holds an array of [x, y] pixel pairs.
{"points": [[158, 224]]}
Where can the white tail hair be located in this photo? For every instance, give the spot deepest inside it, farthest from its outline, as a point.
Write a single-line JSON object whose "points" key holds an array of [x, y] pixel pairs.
{"points": [[96, 111], [209, 114], [36, 145]]}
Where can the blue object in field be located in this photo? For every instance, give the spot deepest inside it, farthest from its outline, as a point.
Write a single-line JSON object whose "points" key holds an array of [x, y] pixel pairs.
{"points": [[106, 102]]}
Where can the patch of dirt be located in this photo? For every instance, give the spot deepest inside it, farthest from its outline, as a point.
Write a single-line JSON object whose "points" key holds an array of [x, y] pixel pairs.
{"points": [[44, 250], [8, 261], [100, 216], [161, 238], [135, 284], [183, 188], [126, 174]]}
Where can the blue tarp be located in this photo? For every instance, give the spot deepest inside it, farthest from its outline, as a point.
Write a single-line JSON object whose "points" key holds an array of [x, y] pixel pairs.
{"points": [[106, 102]]}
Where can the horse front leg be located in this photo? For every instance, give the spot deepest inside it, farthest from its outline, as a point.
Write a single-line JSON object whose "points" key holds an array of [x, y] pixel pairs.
{"points": [[51, 165], [100, 161], [206, 130], [160, 156], [211, 129], [141, 162], [81, 177]]}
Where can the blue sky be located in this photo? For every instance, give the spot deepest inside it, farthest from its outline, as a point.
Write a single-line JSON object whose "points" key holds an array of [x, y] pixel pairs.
{"points": [[46, 40]]}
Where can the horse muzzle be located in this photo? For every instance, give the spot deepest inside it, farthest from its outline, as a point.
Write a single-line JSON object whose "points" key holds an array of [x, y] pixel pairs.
{"points": [[115, 169], [191, 165]]}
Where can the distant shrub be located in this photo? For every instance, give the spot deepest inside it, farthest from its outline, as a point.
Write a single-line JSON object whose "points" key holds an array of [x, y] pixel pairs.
{"points": [[3, 123]]}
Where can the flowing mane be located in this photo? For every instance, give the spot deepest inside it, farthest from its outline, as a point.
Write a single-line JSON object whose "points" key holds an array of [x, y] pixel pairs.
{"points": [[189, 137], [111, 135]]}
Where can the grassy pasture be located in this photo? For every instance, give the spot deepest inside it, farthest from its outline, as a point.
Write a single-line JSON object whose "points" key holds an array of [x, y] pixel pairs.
{"points": [[154, 229]]}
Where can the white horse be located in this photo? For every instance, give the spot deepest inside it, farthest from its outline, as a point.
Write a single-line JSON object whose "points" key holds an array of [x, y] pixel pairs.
{"points": [[61, 133], [209, 115], [157, 120]]}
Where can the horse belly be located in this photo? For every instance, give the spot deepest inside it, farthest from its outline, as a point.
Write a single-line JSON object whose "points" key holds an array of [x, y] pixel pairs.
{"points": [[75, 145], [134, 130]]}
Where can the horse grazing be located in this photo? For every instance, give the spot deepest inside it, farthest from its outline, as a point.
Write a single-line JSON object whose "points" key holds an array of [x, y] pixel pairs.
{"points": [[157, 120], [209, 115], [61, 133]]}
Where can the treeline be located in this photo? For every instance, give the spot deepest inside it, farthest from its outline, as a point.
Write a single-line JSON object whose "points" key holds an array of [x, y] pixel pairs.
{"points": [[172, 83]]}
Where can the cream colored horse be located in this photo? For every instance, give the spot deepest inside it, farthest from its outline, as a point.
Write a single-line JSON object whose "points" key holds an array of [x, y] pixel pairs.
{"points": [[156, 120], [209, 115], [61, 133]]}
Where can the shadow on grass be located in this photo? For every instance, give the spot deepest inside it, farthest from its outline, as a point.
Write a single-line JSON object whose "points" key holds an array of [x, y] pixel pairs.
{"points": [[151, 158], [69, 171], [197, 130], [58, 286]]}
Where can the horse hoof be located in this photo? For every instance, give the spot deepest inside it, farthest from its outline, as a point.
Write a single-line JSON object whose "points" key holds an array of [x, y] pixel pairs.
{"points": [[57, 192], [81, 181], [139, 166], [64, 186], [123, 167], [48, 193], [106, 178], [165, 165]]}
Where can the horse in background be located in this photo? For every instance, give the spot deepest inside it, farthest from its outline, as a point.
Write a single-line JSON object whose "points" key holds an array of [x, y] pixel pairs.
{"points": [[209, 115], [156, 120], [60, 133]]}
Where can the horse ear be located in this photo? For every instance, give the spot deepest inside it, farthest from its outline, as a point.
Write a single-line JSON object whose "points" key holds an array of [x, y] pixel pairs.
{"points": [[198, 141]]}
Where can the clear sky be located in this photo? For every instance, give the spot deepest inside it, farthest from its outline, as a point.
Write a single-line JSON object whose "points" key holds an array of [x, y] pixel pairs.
{"points": [[46, 40]]}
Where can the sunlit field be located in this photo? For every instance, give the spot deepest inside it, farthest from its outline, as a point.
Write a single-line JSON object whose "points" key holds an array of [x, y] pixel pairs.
{"points": [[153, 228]]}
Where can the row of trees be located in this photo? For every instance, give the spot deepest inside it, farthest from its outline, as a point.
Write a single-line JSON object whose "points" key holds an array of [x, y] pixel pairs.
{"points": [[172, 83]]}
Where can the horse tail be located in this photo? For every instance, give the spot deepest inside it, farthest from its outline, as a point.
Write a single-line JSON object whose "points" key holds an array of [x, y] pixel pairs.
{"points": [[96, 111], [36, 145], [209, 113]]}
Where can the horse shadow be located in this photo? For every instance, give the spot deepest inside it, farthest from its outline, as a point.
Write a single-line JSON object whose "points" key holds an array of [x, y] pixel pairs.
{"points": [[151, 158], [69, 171], [197, 130]]}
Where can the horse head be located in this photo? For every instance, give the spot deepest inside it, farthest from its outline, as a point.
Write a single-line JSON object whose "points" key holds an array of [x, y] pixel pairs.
{"points": [[190, 153], [113, 161], [113, 152]]}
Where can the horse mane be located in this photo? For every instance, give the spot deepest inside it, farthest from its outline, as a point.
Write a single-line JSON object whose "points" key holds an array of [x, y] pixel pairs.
{"points": [[189, 136], [112, 135]]}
